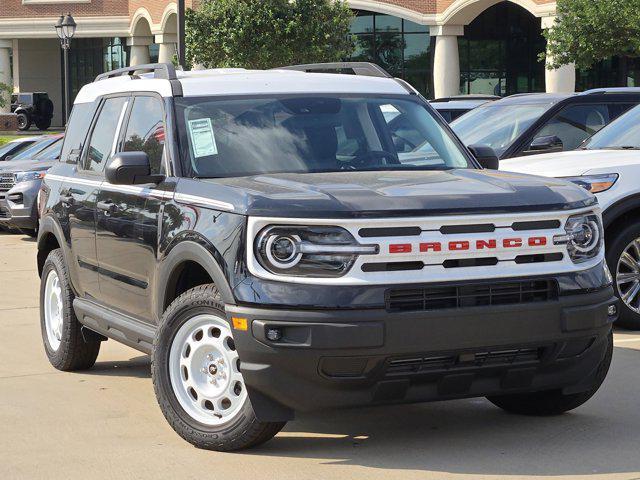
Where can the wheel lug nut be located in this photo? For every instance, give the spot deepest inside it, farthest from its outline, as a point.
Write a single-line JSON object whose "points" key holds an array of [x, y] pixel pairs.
{"points": [[209, 357]]}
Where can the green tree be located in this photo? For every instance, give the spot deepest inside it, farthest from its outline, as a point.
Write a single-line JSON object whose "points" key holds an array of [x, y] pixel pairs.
{"points": [[588, 31], [267, 33], [5, 94]]}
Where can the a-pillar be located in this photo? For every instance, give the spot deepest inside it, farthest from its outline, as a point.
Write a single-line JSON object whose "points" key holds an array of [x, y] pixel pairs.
{"points": [[558, 80], [139, 50], [167, 50], [446, 60], [5, 72]]}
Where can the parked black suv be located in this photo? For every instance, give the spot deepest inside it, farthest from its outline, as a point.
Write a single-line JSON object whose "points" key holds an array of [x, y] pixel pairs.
{"points": [[276, 247], [534, 123], [32, 108]]}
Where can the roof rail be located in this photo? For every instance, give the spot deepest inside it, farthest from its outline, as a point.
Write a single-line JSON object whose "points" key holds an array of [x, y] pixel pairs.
{"points": [[366, 69], [611, 90], [165, 71], [466, 98]]}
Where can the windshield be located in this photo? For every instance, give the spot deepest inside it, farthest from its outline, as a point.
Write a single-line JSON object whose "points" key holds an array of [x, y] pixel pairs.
{"points": [[623, 133], [497, 126], [33, 150], [51, 152], [303, 134]]}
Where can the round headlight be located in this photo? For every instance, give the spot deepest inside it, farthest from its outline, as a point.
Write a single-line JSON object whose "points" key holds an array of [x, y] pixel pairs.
{"points": [[586, 236], [282, 251]]}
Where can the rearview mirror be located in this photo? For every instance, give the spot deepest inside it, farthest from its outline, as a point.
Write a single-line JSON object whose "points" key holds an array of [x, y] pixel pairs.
{"points": [[131, 168], [545, 144], [486, 156]]}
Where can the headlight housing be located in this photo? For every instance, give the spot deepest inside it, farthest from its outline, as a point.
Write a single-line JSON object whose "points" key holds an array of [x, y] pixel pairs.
{"points": [[584, 238], [595, 183], [29, 176], [308, 251]]}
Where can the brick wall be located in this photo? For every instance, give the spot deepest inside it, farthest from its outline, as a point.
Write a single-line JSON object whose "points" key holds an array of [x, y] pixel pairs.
{"points": [[8, 122], [15, 8]]}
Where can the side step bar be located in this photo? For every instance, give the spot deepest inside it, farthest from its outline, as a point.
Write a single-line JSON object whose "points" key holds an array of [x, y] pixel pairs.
{"points": [[114, 325]]}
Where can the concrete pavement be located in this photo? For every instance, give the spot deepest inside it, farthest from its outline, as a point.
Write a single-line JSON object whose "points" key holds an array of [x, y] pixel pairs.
{"points": [[105, 423]]}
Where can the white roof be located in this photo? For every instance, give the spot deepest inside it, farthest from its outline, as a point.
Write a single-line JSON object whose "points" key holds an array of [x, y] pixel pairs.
{"points": [[236, 81]]}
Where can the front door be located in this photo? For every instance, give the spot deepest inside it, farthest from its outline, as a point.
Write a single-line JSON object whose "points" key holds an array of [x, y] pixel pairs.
{"points": [[81, 192], [128, 218]]}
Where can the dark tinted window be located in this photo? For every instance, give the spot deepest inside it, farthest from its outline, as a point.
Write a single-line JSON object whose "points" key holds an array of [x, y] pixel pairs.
{"points": [[575, 123], [102, 142], [77, 129], [145, 131]]}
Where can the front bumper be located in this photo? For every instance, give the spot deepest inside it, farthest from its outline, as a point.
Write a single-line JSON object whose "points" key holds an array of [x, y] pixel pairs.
{"points": [[341, 358], [18, 206]]}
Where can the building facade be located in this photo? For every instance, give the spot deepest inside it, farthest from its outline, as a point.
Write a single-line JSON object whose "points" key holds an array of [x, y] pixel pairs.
{"points": [[443, 47]]}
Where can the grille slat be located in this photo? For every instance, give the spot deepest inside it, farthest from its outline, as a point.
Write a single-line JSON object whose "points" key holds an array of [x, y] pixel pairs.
{"points": [[439, 297], [488, 358], [7, 181]]}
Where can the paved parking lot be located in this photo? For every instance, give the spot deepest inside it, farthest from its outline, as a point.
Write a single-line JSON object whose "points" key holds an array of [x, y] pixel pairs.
{"points": [[105, 423]]}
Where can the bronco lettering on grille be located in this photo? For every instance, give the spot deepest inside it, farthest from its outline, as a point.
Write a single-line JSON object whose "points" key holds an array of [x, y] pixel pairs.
{"points": [[462, 245]]}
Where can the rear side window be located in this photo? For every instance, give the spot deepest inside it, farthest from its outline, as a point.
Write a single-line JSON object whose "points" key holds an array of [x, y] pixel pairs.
{"points": [[76, 133], [145, 131], [575, 123], [103, 138]]}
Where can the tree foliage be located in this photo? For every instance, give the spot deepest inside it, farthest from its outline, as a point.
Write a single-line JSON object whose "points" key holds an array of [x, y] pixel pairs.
{"points": [[588, 31], [5, 94], [267, 33]]}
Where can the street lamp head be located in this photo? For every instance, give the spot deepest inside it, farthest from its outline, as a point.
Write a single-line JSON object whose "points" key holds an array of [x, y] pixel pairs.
{"points": [[58, 27], [68, 26]]}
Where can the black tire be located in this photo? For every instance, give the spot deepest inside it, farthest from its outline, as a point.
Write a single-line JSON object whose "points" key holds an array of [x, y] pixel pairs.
{"points": [[616, 245], [73, 352], [43, 124], [24, 121], [554, 402], [242, 431]]}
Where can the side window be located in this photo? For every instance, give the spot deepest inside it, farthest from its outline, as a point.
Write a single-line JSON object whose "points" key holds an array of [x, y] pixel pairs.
{"points": [[77, 130], [574, 123], [103, 141], [145, 131]]}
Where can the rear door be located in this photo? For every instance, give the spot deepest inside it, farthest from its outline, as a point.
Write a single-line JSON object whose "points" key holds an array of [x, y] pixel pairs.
{"points": [[128, 216], [82, 191]]}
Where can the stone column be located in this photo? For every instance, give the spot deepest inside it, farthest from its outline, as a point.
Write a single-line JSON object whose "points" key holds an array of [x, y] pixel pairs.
{"points": [[446, 60], [167, 51], [139, 50], [560, 80], [5, 72]]}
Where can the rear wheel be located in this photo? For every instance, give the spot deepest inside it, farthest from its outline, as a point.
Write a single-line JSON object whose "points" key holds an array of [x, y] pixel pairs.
{"points": [[24, 121], [197, 378], [623, 259], [554, 402], [61, 332]]}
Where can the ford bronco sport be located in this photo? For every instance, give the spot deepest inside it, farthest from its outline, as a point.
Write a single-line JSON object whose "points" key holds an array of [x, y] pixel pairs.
{"points": [[276, 247]]}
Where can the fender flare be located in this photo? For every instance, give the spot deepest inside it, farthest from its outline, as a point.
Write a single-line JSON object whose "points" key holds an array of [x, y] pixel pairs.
{"points": [[48, 225], [190, 250], [620, 208]]}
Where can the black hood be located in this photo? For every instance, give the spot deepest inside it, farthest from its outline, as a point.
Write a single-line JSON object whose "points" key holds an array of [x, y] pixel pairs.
{"points": [[398, 193]]}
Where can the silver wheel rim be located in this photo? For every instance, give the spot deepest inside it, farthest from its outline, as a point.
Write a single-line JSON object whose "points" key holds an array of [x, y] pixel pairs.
{"points": [[53, 309], [204, 370], [628, 275]]}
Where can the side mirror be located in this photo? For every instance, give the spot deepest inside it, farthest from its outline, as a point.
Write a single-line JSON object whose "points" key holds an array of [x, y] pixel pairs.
{"points": [[131, 168], [8, 157], [546, 144], [486, 156]]}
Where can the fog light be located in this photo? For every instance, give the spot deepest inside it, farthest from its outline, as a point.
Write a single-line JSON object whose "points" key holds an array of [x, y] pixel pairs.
{"points": [[612, 310], [274, 334]]}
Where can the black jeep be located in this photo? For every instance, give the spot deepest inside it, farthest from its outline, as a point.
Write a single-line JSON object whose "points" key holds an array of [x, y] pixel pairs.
{"points": [[32, 108]]}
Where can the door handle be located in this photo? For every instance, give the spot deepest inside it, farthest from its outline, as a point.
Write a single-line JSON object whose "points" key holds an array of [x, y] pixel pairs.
{"points": [[107, 207]]}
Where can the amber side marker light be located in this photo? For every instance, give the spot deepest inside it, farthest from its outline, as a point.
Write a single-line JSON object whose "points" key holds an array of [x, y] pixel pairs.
{"points": [[240, 323]]}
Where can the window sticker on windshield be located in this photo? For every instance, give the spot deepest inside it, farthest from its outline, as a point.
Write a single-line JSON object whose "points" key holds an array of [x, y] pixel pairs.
{"points": [[202, 137]]}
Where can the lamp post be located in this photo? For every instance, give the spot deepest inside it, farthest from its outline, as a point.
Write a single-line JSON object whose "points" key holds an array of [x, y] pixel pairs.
{"points": [[66, 29]]}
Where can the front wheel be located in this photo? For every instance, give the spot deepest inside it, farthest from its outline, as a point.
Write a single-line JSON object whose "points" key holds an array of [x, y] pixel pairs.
{"points": [[24, 121], [554, 402], [197, 378], [623, 259]]}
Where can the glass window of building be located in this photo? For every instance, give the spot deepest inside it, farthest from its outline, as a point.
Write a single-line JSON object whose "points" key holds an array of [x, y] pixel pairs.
{"points": [[399, 46]]}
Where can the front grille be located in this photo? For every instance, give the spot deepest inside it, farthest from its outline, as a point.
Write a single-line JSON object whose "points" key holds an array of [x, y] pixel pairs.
{"points": [[7, 181], [485, 358], [471, 295]]}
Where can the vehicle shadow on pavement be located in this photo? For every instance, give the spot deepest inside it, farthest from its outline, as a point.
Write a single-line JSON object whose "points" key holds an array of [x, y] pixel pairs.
{"points": [[138, 367], [474, 437]]}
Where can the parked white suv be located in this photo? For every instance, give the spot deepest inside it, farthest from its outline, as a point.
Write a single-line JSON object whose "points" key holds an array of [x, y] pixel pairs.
{"points": [[608, 164]]}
